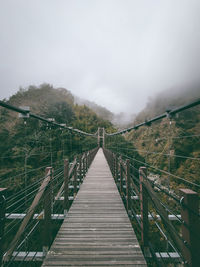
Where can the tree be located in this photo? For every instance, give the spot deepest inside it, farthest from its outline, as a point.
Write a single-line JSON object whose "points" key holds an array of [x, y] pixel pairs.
{"points": [[61, 111]]}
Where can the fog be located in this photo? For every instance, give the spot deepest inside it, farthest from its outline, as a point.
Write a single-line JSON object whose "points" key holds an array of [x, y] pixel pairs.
{"points": [[117, 53]]}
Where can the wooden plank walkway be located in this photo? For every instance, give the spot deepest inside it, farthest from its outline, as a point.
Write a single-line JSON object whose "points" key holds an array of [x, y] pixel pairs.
{"points": [[97, 230]]}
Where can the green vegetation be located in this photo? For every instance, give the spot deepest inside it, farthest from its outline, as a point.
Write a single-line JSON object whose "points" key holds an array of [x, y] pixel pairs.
{"points": [[172, 144], [101, 112], [29, 144], [170, 148], [167, 100]]}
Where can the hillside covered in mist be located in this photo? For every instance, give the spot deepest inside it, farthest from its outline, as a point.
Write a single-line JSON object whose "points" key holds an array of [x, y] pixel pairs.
{"points": [[171, 144], [58, 103], [167, 100], [119, 120]]}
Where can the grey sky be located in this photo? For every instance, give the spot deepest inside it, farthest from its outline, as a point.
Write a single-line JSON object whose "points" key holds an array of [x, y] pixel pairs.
{"points": [[114, 52]]}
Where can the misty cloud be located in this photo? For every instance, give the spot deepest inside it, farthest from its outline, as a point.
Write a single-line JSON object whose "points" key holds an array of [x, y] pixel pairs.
{"points": [[114, 52]]}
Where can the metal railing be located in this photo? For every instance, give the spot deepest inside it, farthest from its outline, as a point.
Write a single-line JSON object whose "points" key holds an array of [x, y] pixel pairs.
{"points": [[49, 198], [151, 214]]}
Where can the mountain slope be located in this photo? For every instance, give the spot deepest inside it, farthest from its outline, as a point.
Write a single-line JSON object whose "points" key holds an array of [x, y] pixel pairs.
{"points": [[29, 143], [102, 112], [170, 145]]}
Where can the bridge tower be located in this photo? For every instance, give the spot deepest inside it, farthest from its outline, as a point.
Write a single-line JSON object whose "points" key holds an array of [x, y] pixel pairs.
{"points": [[101, 135]]}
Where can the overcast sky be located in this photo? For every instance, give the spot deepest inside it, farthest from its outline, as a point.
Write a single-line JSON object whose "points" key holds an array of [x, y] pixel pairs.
{"points": [[114, 52]]}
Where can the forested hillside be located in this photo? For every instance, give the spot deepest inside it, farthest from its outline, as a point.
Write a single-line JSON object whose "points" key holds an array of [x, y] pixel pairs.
{"points": [[28, 144], [102, 112], [167, 100], [171, 145], [119, 120]]}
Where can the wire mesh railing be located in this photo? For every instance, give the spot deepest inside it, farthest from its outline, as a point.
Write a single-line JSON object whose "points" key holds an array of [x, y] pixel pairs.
{"points": [[48, 200], [166, 224], [167, 146]]}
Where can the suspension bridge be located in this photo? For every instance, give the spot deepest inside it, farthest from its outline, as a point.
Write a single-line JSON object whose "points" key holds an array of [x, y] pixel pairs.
{"points": [[104, 207]]}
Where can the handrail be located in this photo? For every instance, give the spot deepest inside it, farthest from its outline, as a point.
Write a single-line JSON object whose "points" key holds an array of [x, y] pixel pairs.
{"points": [[50, 190], [186, 245], [163, 214], [29, 214], [88, 157]]}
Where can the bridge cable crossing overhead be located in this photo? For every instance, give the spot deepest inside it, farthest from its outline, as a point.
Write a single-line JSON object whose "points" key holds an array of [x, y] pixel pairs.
{"points": [[50, 122], [168, 113]]}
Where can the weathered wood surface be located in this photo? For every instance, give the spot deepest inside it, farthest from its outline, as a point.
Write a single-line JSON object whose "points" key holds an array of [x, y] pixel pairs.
{"points": [[97, 230]]}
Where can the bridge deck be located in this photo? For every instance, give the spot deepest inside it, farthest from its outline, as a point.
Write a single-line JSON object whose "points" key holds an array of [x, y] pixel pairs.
{"points": [[97, 230]]}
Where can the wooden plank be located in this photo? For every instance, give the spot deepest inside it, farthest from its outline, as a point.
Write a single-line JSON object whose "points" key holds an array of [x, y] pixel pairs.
{"points": [[96, 230], [27, 256], [94, 263]]}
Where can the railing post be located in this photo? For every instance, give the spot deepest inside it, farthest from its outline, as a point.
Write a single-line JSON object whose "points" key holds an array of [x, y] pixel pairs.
{"points": [[47, 212], [144, 210], [66, 186], [91, 155], [121, 176], [89, 159], [116, 169], [75, 178], [190, 227], [2, 221], [80, 169], [86, 161], [110, 160], [128, 197], [108, 155], [113, 167], [83, 164]]}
